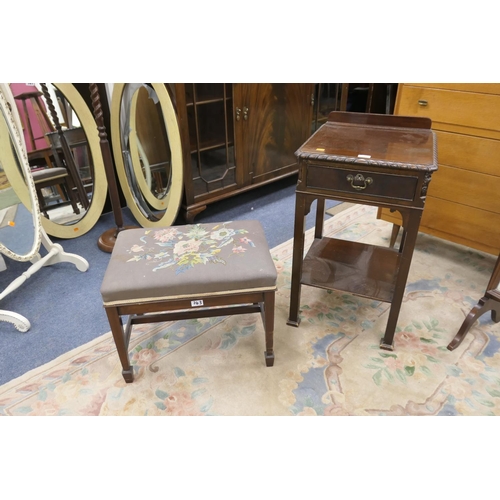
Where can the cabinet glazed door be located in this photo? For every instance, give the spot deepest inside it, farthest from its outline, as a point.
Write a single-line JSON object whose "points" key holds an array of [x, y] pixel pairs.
{"points": [[209, 109], [272, 121]]}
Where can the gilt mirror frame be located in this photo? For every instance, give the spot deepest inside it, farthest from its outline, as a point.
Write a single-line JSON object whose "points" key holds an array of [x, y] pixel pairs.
{"points": [[100, 183], [171, 202], [20, 180]]}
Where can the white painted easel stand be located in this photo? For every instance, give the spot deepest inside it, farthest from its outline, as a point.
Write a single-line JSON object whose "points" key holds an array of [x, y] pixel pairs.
{"points": [[55, 254]]}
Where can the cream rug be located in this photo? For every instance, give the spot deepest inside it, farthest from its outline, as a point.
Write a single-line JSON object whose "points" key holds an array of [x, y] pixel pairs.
{"points": [[330, 365]]}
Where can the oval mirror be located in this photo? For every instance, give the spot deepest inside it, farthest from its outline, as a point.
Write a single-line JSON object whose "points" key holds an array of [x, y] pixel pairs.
{"points": [[20, 235], [147, 151], [64, 156]]}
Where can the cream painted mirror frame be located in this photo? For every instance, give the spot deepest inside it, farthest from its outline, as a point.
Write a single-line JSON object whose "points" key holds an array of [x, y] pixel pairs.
{"points": [[171, 202], [100, 189], [136, 152], [20, 180]]}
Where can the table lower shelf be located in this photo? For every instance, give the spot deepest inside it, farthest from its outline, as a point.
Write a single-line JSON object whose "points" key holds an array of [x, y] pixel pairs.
{"points": [[358, 268]]}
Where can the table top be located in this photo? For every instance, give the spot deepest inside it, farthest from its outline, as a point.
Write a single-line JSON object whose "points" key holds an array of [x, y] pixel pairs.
{"points": [[383, 140]]}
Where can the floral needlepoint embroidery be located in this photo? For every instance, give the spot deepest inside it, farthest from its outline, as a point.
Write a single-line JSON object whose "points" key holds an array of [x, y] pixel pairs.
{"points": [[137, 248], [182, 248], [165, 235], [222, 234], [189, 246], [247, 241]]}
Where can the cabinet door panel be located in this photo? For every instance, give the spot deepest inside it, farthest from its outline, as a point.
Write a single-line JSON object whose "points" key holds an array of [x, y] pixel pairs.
{"points": [[275, 120], [209, 111]]}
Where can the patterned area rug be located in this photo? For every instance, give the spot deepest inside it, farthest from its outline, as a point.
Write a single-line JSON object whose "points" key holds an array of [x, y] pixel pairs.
{"points": [[330, 365]]}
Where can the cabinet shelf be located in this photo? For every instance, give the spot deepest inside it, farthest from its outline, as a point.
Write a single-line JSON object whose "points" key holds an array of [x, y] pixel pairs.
{"points": [[212, 100], [207, 93], [210, 145], [357, 268]]}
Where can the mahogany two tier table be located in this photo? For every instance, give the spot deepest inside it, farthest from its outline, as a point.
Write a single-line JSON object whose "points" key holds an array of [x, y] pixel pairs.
{"points": [[381, 160]]}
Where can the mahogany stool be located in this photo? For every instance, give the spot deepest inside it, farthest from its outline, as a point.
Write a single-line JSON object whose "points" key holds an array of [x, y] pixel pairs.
{"points": [[189, 271]]}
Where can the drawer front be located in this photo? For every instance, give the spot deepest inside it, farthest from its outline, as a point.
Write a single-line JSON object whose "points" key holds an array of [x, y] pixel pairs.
{"points": [[475, 227], [467, 109], [469, 152], [466, 188], [362, 183], [467, 226], [481, 88]]}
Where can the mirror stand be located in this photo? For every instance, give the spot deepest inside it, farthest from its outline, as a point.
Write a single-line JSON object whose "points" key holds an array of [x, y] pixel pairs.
{"points": [[55, 254], [20, 322], [20, 223]]}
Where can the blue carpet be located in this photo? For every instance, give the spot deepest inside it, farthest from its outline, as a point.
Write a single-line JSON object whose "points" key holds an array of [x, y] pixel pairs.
{"points": [[64, 305], [19, 242]]}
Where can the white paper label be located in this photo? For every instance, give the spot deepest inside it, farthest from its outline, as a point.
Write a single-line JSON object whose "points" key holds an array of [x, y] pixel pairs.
{"points": [[196, 303], [365, 156]]}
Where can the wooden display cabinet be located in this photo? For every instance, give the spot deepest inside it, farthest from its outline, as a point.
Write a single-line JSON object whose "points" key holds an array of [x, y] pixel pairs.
{"points": [[376, 98], [238, 136], [328, 97]]}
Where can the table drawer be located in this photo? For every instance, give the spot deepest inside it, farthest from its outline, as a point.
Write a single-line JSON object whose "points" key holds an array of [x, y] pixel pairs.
{"points": [[361, 182]]}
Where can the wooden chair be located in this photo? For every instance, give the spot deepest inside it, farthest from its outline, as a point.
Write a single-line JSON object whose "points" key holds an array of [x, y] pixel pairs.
{"points": [[49, 177], [191, 271], [51, 171], [78, 146], [65, 151]]}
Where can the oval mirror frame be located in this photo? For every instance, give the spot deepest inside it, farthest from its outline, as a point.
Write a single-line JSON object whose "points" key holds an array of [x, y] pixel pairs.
{"points": [[20, 180], [135, 155], [100, 188], [171, 202]]}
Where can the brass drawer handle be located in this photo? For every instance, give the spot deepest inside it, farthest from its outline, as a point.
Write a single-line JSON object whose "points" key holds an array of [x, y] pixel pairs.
{"points": [[422, 102], [359, 179], [238, 111]]}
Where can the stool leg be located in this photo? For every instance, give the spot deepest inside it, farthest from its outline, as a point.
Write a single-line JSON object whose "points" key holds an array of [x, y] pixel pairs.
{"points": [[268, 320], [115, 322]]}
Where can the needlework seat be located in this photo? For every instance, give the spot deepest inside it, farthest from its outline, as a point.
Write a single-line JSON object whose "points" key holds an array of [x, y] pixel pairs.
{"points": [[189, 271]]}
